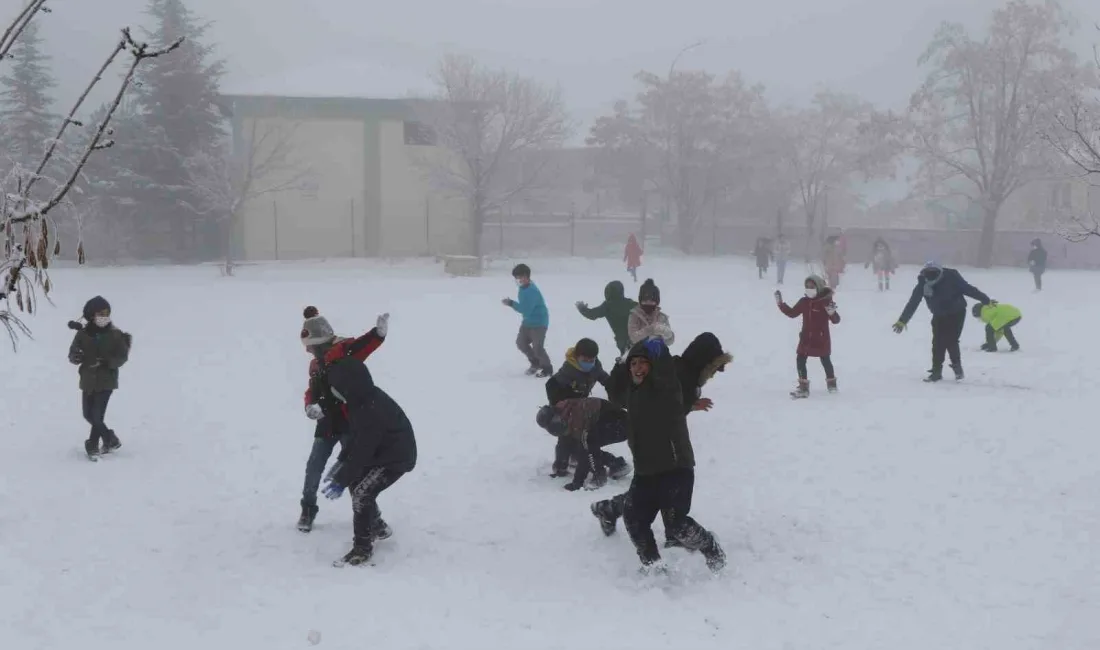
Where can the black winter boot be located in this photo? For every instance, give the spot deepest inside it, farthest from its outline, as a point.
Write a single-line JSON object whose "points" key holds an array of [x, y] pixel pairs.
{"points": [[934, 375], [959, 376], [357, 555], [601, 510], [714, 555], [110, 441], [91, 447], [618, 469], [305, 521], [381, 529]]}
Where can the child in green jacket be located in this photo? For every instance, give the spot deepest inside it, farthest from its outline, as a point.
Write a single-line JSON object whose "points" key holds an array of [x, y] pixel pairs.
{"points": [[999, 319], [99, 349]]}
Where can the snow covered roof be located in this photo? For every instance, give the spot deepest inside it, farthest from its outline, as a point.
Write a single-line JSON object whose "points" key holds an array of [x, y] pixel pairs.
{"points": [[336, 78]]}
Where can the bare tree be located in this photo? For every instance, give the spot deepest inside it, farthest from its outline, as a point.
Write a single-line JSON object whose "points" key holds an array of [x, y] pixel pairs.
{"points": [[491, 124], [29, 235], [689, 136], [227, 180], [830, 143], [976, 120]]}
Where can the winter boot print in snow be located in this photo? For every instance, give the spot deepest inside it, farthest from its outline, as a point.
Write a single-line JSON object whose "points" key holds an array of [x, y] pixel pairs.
{"points": [[831, 384], [602, 511], [111, 441], [305, 521], [803, 390], [618, 469]]}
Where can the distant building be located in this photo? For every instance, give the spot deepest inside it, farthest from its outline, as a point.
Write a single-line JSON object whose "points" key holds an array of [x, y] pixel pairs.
{"points": [[366, 193]]}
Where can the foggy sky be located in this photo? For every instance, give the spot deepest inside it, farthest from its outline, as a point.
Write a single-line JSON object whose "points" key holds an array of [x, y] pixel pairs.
{"points": [[591, 47]]}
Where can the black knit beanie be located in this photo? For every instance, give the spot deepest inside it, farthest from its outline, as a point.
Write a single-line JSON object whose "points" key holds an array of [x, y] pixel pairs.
{"points": [[649, 292]]}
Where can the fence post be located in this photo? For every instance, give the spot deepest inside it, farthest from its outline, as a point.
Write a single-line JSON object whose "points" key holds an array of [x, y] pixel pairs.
{"points": [[428, 225], [714, 235], [573, 232], [351, 216], [275, 223]]}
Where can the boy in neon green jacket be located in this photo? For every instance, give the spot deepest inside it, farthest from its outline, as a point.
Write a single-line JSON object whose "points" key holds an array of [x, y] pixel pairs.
{"points": [[999, 320]]}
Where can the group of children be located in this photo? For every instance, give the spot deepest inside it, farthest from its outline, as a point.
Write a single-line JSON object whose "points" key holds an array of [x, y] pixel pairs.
{"points": [[649, 391]]}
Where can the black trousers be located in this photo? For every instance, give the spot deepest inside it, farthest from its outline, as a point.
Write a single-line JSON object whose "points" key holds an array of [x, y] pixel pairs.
{"points": [[94, 404], [1038, 275], [826, 363], [946, 331], [670, 495], [991, 335], [364, 503]]}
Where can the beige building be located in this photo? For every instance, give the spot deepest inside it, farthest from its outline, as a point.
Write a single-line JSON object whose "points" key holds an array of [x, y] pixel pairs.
{"points": [[357, 178]]}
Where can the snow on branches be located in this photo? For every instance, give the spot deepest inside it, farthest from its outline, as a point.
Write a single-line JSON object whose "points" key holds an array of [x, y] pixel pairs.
{"points": [[29, 235]]}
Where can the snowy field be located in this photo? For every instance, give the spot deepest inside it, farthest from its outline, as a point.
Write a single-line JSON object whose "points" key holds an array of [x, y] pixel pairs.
{"points": [[892, 516]]}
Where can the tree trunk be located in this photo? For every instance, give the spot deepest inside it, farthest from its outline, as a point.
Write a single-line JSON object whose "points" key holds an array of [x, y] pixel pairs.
{"points": [[809, 235], [477, 218], [685, 224], [989, 232]]}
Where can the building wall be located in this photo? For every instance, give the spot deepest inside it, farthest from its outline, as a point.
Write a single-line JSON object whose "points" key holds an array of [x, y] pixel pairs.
{"points": [[415, 218], [326, 217]]}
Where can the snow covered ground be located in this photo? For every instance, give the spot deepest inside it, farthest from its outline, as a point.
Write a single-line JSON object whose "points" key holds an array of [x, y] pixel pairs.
{"points": [[894, 515]]}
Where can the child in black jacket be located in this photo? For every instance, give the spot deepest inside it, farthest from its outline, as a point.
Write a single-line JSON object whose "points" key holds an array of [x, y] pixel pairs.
{"points": [[100, 349]]}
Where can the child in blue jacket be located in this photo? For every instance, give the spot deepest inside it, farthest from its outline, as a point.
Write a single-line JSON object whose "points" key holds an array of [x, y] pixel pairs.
{"points": [[531, 339]]}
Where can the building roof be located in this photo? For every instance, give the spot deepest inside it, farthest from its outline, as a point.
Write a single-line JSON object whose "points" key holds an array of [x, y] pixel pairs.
{"points": [[337, 78]]}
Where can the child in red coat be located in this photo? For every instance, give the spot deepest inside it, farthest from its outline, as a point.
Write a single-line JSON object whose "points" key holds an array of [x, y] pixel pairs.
{"points": [[817, 310], [632, 255]]}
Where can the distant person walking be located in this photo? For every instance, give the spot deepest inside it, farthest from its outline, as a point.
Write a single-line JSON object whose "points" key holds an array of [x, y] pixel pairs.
{"points": [[632, 255], [1037, 262], [781, 254]]}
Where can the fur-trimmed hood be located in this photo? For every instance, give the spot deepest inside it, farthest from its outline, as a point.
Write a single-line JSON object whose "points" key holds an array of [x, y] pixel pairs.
{"points": [[702, 358]]}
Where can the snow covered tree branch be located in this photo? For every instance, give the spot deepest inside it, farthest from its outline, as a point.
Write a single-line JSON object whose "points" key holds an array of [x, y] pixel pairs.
{"points": [[27, 252], [225, 181]]}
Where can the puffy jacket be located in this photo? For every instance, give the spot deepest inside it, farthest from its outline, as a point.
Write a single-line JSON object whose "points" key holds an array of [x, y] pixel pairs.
{"points": [[641, 326], [999, 315], [616, 308], [99, 352], [946, 295], [814, 340], [658, 432], [571, 382]]}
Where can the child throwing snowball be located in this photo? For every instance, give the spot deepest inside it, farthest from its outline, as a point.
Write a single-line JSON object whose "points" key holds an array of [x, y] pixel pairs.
{"points": [[817, 310]]}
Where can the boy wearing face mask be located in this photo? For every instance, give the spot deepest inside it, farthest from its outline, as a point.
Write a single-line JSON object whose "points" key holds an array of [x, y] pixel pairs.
{"points": [[647, 320], [99, 349], [817, 310], [531, 339], [575, 379]]}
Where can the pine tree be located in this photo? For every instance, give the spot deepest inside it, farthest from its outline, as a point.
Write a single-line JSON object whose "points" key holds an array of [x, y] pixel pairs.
{"points": [[179, 98], [26, 123]]}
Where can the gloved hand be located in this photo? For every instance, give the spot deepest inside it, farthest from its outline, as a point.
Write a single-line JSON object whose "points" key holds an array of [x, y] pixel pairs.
{"points": [[899, 327], [662, 331], [333, 491], [830, 308], [507, 302], [655, 346], [314, 412], [993, 303], [572, 487], [582, 305], [333, 471], [778, 297], [383, 325]]}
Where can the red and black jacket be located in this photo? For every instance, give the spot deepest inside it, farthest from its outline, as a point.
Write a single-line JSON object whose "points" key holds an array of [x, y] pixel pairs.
{"points": [[318, 390]]}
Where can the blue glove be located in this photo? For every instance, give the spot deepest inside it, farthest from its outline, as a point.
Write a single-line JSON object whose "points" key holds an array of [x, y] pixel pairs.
{"points": [[655, 346], [333, 491]]}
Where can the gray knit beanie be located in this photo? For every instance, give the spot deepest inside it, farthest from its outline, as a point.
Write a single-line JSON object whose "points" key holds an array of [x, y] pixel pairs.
{"points": [[316, 329]]}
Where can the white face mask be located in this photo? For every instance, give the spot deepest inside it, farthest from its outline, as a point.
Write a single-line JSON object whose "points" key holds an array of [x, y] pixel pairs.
{"points": [[102, 321], [811, 293]]}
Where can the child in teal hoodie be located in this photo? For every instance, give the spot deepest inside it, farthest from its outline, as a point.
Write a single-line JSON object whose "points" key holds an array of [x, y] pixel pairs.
{"points": [[531, 339]]}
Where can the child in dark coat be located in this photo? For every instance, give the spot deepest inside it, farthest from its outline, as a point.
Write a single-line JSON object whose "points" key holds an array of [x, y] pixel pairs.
{"points": [[817, 310], [575, 379], [584, 426], [616, 308], [99, 349]]}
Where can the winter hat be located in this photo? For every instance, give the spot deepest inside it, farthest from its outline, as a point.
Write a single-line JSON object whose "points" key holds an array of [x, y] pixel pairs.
{"points": [[817, 281], [521, 271], [316, 329], [94, 306], [649, 292], [1037, 242], [587, 348], [548, 419], [931, 270]]}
